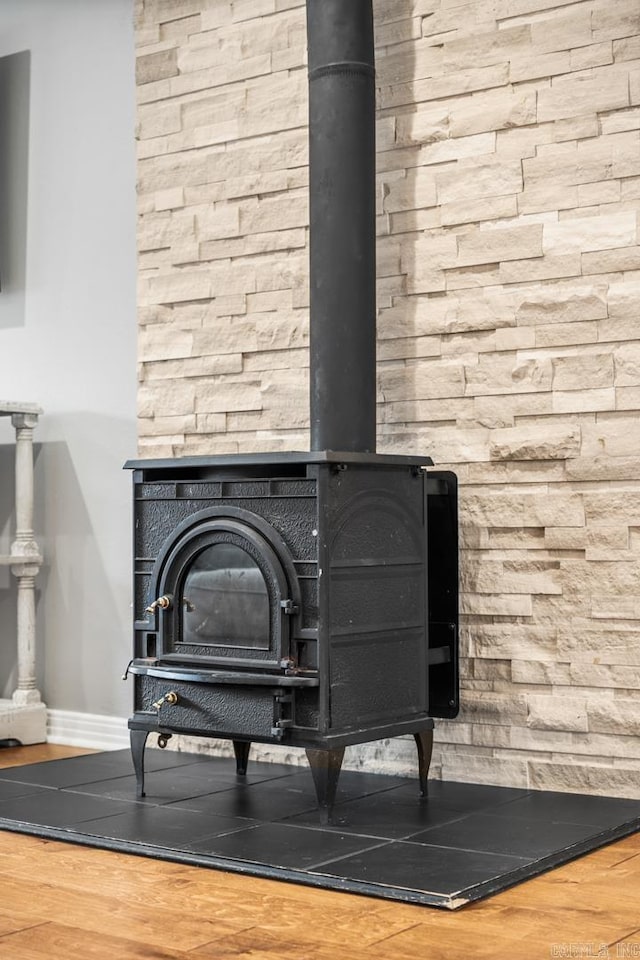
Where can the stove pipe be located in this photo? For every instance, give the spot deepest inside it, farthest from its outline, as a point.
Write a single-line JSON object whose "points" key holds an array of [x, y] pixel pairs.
{"points": [[342, 225]]}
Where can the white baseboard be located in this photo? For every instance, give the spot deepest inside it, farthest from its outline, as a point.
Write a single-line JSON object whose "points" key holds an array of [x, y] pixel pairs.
{"points": [[91, 730]]}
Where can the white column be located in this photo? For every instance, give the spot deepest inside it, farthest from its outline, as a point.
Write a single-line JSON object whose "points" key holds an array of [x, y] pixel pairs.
{"points": [[24, 544], [26, 691], [24, 716]]}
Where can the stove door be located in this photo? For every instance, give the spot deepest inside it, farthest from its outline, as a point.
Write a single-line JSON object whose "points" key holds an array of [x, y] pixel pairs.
{"points": [[229, 598]]}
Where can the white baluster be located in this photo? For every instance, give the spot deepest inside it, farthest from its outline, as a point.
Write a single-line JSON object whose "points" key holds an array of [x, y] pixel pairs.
{"points": [[24, 716], [24, 544]]}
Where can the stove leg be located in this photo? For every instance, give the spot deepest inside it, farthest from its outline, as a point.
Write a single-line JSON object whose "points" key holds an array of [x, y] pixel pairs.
{"points": [[138, 741], [241, 749], [325, 768], [424, 743]]}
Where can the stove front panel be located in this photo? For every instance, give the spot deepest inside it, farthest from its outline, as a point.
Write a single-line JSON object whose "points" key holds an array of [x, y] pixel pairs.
{"points": [[237, 560]]}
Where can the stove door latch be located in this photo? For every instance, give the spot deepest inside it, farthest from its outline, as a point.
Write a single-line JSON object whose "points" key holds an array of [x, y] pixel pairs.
{"points": [[289, 607]]}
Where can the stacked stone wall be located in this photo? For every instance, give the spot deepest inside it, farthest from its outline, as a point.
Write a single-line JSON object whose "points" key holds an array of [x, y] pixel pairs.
{"points": [[509, 321]]}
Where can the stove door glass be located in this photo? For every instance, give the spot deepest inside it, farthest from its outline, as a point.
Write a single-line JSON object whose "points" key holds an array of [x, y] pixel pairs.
{"points": [[225, 601]]}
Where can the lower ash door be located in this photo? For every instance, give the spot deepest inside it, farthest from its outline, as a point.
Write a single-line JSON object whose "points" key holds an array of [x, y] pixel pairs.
{"points": [[215, 710]]}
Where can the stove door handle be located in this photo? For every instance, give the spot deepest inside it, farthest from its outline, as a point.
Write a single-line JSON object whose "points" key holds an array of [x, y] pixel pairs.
{"points": [[163, 602], [171, 698]]}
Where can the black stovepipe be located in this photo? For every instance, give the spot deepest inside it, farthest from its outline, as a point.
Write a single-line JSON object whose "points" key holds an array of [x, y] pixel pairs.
{"points": [[342, 225]]}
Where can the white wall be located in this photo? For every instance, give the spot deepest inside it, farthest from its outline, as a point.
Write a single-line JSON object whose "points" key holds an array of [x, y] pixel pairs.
{"points": [[74, 352]]}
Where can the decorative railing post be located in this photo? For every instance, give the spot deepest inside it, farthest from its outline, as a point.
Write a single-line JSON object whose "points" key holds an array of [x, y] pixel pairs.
{"points": [[24, 544], [23, 718]]}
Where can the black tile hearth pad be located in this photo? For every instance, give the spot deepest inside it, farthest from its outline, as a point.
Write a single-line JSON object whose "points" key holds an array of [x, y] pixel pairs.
{"points": [[464, 842]]}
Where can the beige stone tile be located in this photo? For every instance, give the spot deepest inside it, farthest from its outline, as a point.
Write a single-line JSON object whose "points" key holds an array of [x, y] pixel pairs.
{"points": [[473, 180], [557, 713], [151, 67], [591, 233], [582, 96], [584, 778], [545, 442], [497, 245]]}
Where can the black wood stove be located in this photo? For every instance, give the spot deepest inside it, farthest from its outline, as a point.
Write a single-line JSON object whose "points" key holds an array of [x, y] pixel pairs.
{"points": [[306, 599]]}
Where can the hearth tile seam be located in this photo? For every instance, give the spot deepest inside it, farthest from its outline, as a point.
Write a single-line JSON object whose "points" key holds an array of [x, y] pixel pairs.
{"points": [[324, 863]]}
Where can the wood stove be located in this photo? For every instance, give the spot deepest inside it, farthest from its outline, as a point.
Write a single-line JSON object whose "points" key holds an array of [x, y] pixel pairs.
{"points": [[308, 599]]}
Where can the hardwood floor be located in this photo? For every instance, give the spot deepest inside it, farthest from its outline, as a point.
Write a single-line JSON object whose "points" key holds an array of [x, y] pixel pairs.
{"points": [[59, 900]]}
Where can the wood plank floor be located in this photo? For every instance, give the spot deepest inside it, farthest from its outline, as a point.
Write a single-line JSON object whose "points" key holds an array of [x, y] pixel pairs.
{"points": [[60, 900]]}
